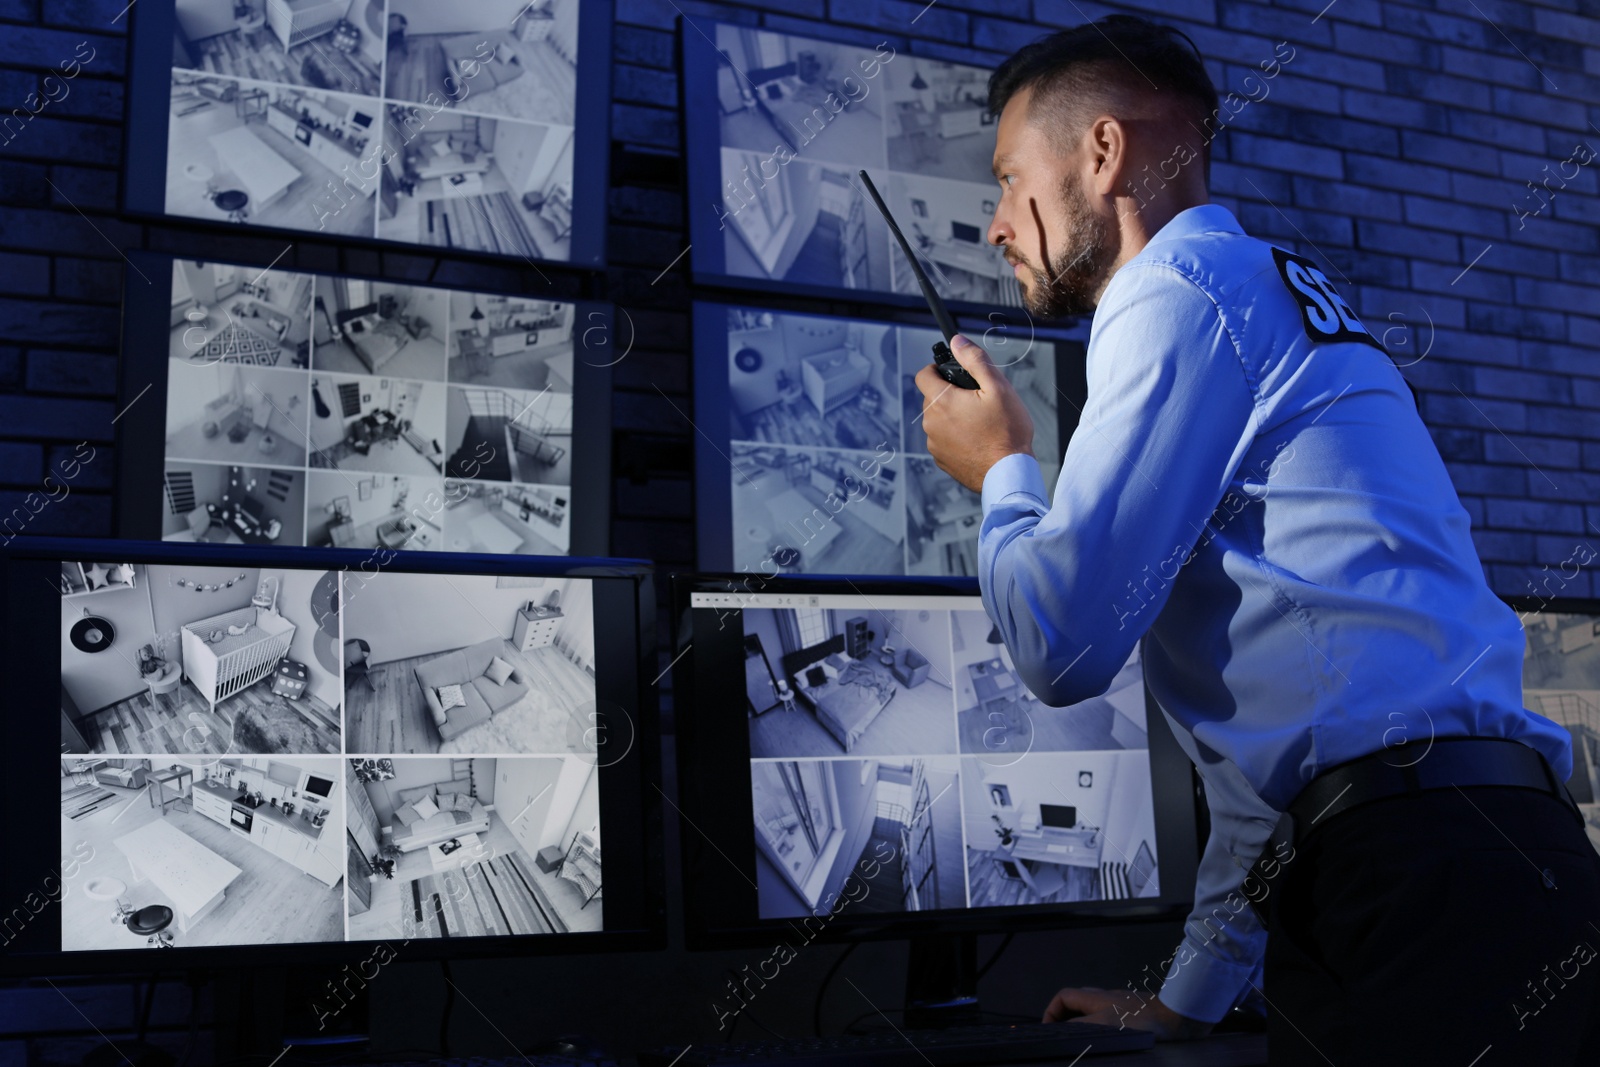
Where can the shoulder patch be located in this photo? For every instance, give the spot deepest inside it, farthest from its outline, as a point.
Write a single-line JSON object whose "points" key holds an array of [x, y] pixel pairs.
{"points": [[1322, 310]]}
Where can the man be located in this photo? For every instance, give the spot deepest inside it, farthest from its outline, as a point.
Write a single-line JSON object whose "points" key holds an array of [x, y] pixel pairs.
{"points": [[1251, 486]]}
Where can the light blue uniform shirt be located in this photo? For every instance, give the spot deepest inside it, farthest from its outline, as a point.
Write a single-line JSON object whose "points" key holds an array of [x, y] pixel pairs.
{"points": [[1251, 484]]}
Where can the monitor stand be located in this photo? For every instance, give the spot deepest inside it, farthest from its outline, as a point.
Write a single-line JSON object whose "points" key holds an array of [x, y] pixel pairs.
{"points": [[942, 981], [261, 1009]]}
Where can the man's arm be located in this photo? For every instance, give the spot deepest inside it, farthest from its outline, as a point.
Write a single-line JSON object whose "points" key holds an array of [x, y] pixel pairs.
{"points": [[1218, 962], [1170, 414], [1223, 940]]}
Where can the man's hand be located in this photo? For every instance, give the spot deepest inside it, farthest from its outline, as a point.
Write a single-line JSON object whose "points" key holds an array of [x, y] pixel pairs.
{"points": [[1123, 1009], [970, 430]]}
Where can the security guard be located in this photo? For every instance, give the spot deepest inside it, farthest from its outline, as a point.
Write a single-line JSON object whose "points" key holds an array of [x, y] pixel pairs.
{"points": [[1251, 486]]}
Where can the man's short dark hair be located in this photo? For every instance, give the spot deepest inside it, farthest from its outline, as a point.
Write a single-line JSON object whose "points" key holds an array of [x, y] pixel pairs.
{"points": [[1118, 51]]}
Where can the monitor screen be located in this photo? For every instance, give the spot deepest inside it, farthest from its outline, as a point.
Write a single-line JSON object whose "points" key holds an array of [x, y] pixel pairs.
{"points": [[869, 741], [272, 406], [300, 755], [1058, 816], [479, 128], [821, 465], [1561, 681], [777, 127]]}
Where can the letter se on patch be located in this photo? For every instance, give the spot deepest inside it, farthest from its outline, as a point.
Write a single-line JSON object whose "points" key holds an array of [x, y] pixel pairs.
{"points": [[1325, 314]]}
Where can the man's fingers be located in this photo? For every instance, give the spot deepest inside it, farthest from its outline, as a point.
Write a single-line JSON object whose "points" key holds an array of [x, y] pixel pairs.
{"points": [[1070, 1003], [975, 360], [929, 382]]}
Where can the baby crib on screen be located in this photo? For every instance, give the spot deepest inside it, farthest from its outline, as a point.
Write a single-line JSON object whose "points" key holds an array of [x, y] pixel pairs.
{"points": [[220, 663]]}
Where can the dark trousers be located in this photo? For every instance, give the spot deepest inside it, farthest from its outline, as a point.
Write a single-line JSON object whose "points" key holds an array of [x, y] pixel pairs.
{"points": [[1438, 928]]}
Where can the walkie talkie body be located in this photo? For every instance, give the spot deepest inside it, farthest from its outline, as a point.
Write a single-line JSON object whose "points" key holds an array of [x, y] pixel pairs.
{"points": [[944, 361]]}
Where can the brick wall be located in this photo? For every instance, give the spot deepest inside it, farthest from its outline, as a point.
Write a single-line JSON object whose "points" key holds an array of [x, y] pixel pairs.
{"points": [[1396, 147]]}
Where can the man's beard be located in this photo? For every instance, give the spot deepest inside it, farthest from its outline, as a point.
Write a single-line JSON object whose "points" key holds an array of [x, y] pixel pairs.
{"points": [[1078, 272]]}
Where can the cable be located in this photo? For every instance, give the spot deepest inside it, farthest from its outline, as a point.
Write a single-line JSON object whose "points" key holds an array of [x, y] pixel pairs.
{"points": [[149, 1002], [746, 1011], [194, 982], [816, 1007], [994, 959], [449, 1003]]}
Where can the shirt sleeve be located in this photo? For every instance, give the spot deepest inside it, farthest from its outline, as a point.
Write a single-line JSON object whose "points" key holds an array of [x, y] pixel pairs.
{"points": [[1219, 961], [1169, 415]]}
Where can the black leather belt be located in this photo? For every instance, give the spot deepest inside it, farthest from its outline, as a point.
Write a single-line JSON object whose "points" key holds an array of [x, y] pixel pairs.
{"points": [[1460, 762]]}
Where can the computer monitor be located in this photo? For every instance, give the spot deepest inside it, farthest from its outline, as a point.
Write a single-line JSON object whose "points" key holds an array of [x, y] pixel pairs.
{"points": [[1058, 816], [274, 758], [820, 465], [962, 231], [279, 407], [777, 127], [859, 758], [1561, 681], [483, 129]]}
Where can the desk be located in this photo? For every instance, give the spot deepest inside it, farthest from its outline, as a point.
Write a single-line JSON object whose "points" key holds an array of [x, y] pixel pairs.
{"points": [[1218, 1050], [981, 260], [244, 517], [183, 870], [372, 428], [1050, 850], [959, 119], [1071, 848], [157, 781], [995, 686]]}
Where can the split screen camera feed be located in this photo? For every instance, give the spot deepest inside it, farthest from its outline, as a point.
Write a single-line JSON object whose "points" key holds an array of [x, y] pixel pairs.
{"points": [[1561, 681], [435, 124], [898, 763], [799, 117], [322, 410], [830, 467], [260, 755]]}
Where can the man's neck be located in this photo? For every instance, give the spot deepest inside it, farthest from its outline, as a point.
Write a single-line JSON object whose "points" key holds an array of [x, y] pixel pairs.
{"points": [[1139, 222]]}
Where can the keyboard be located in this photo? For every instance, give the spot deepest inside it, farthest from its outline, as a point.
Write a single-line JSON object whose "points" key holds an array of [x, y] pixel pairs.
{"points": [[533, 1059], [911, 1048]]}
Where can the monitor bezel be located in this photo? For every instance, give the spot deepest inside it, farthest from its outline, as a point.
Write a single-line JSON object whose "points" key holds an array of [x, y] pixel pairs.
{"points": [[713, 488], [145, 122], [1525, 605], [139, 429], [702, 815], [630, 781]]}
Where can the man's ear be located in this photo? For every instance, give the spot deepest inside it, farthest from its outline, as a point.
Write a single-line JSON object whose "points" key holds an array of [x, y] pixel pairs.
{"points": [[1107, 143]]}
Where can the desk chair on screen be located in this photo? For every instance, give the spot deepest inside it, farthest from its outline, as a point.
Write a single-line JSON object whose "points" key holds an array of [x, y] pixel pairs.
{"points": [[356, 653]]}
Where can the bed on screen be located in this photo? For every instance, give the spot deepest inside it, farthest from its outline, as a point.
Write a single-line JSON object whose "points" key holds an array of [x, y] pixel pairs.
{"points": [[846, 695], [374, 339], [232, 651]]}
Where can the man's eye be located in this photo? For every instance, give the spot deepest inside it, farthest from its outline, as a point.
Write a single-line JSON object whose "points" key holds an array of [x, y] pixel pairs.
{"points": [[1009, 179]]}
